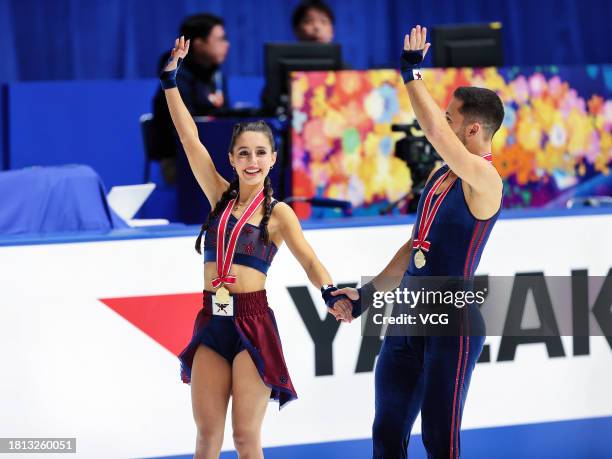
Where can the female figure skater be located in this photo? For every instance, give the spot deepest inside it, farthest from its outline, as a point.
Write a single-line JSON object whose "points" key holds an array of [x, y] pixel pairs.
{"points": [[236, 349]]}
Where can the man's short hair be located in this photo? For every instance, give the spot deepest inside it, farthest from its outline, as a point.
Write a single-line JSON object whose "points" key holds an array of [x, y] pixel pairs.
{"points": [[199, 25], [482, 105], [300, 11]]}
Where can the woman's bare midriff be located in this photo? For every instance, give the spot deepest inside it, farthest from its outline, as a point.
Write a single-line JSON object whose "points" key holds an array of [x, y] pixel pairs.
{"points": [[248, 279]]}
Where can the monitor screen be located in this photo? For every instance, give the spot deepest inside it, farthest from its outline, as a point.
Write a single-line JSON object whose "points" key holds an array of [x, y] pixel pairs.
{"points": [[282, 58], [468, 45]]}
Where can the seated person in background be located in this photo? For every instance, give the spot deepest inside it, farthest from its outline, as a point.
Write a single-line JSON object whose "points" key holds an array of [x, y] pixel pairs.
{"points": [[313, 20], [199, 80]]}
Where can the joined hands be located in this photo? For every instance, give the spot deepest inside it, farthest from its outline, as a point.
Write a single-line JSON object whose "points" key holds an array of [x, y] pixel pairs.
{"points": [[342, 309]]}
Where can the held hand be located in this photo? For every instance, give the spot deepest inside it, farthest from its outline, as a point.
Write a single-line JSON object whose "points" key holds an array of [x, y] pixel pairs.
{"points": [[342, 310], [356, 297], [417, 41], [180, 50], [344, 307], [352, 293], [339, 306]]}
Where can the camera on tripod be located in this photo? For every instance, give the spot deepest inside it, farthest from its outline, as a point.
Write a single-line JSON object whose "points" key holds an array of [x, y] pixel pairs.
{"points": [[420, 156]]}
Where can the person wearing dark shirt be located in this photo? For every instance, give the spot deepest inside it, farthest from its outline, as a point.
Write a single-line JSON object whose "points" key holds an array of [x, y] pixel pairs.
{"points": [[313, 20], [200, 81]]}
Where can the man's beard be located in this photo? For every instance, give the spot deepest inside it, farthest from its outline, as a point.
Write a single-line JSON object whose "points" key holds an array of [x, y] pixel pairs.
{"points": [[461, 136]]}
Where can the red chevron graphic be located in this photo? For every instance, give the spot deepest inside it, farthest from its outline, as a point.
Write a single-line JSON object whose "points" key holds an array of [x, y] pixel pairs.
{"points": [[168, 319]]}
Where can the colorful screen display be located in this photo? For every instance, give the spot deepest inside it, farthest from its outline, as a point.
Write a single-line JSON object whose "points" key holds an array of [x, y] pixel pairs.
{"points": [[555, 142]]}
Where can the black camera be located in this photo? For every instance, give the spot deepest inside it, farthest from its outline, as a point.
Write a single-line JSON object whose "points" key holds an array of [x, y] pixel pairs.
{"points": [[421, 158]]}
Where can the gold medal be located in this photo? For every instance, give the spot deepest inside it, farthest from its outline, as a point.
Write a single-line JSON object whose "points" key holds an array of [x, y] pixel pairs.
{"points": [[419, 259], [222, 296]]}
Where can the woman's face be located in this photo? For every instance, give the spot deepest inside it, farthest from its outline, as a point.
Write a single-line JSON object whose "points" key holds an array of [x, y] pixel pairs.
{"points": [[252, 157]]}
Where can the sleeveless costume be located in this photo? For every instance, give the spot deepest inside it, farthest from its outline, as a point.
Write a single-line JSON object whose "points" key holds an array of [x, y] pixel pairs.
{"points": [[431, 374], [252, 326]]}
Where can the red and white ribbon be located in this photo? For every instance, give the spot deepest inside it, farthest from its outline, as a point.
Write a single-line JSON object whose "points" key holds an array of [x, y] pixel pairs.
{"points": [[226, 257], [428, 215]]}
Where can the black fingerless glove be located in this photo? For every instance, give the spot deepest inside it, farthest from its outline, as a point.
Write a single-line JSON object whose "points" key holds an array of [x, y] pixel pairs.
{"points": [[168, 78], [330, 300], [410, 65], [366, 295]]}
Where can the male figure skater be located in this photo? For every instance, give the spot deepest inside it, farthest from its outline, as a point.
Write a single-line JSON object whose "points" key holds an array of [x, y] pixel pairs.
{"points": [[456, 212]]}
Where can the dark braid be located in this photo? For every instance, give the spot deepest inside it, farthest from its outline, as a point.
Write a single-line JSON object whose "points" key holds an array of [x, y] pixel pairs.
{"points": [[227, 196], [265, 237], [232, 191]]}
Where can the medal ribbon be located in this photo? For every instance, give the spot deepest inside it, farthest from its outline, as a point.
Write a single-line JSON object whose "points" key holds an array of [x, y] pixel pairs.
{"points": [[226, 257], [420, 241]]}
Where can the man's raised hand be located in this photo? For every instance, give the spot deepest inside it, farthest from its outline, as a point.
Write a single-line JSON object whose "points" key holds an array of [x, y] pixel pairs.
{"points": [[416, 40]]}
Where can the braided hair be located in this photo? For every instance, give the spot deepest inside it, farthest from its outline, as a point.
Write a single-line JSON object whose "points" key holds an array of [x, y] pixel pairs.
{"points": [[233, 189]]}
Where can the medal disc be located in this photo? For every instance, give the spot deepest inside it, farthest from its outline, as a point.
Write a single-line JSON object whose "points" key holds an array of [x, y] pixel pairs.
{"points": [[222, 295], [419, 259]]}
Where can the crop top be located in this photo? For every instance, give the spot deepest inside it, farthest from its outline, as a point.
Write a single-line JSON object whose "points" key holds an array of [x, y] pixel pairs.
{"points": [[250, 248]]}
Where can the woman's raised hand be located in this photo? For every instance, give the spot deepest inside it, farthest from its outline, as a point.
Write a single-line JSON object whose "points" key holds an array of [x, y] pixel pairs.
{"points": [[180, 50]]}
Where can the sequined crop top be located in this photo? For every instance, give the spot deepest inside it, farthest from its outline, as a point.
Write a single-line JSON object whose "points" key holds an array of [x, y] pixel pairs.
{"points": [[250, 249]]}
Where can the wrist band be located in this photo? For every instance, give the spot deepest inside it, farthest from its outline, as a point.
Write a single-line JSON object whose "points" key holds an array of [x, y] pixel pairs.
{"points": [[168, 78], [366, 295], [330, 299], [410, 65], [326, 291]]}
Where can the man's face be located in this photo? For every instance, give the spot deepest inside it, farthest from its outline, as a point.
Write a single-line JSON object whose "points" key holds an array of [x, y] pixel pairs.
{"points": [[316, 26], [456, 120], [214, 48]]}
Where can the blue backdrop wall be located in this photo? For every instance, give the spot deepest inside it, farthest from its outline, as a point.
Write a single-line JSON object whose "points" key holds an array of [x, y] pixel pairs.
{"points": [[117, 39]]}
